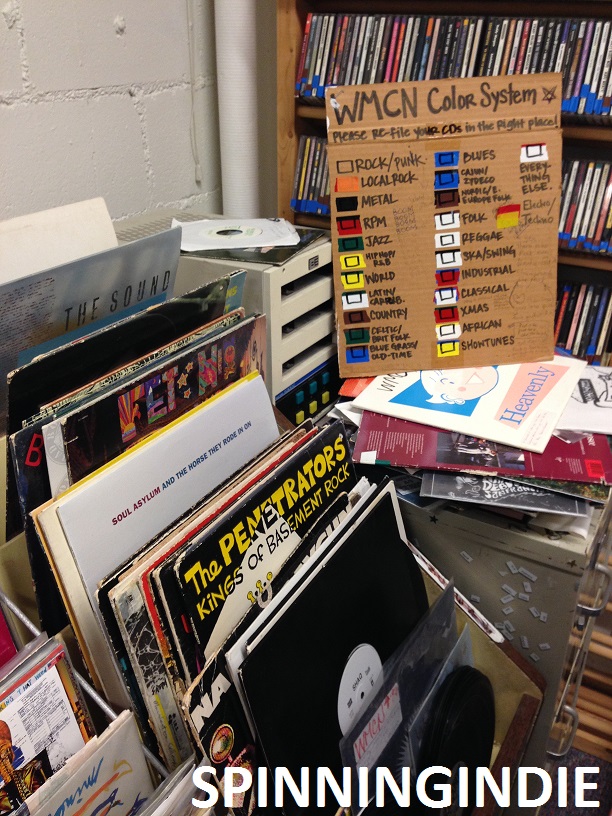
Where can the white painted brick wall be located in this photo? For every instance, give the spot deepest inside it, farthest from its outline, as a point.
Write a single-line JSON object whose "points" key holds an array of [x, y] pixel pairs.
{"points": [[95, 100], [10, 51], [104, 43]]}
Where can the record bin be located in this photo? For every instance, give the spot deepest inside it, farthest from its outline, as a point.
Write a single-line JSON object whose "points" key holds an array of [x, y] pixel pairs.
{"points": [[540, 590], [519, 687]]}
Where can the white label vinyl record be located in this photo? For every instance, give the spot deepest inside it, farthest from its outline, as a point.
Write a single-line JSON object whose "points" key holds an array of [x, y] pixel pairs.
{"points": [[357, 683], [215, 233]]}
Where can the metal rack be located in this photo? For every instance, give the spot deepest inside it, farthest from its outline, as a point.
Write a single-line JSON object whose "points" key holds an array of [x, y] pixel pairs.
{"points": [[104, 707], [480, 550]]}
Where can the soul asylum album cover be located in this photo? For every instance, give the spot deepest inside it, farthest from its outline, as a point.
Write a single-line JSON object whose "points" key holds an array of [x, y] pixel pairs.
{"points": [[88, 531]]}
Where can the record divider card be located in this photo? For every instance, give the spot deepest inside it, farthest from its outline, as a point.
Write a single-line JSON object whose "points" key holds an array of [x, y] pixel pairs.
{"points": [[445, 210]]}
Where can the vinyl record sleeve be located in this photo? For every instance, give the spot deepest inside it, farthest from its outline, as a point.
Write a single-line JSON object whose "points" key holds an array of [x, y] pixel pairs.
{"points": [[459, 727], [386, 440], [517, 405], [174, 540], [179, 603], [71, 366], [364, 497], [493, 491], [45, 716], [48, 307], [37, 482], [369, 591], [214, 700], [590, 406], [300, 490], [110, 775], [378, 736], [97, 432]]}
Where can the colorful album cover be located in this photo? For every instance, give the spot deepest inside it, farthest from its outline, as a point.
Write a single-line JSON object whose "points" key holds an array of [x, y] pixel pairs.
{"points": [[43, 721], [212, 704], [92, 528], [220, 728], [109, 776], [145, 638], [220, 574], [101, 430], [516, 405]]}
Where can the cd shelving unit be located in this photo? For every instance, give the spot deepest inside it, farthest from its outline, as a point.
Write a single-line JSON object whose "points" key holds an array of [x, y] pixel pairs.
{"points": [[584, 136]]}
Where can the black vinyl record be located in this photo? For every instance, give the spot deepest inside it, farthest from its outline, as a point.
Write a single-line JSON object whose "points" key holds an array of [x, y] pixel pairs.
{"points": [[370, 591], [462, 728]]}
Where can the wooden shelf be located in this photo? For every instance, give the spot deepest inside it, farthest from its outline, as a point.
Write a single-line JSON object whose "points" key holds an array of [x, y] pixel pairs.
{"points": [[310, 220], [588, 133], [594, 707], [311, 112], [545, 8], [573, 132], [589, 260]]}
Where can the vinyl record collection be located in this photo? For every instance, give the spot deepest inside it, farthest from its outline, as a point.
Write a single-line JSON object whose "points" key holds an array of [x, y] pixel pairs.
{"points": [[556, 487], [238, 590], [194, 540]]}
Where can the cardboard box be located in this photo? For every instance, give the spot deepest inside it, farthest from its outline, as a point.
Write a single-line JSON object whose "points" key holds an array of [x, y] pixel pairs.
{"points": [[445, 210]]}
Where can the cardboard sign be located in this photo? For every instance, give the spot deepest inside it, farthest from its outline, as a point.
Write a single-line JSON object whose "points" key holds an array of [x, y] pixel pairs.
{"points": [[445, 210]]}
